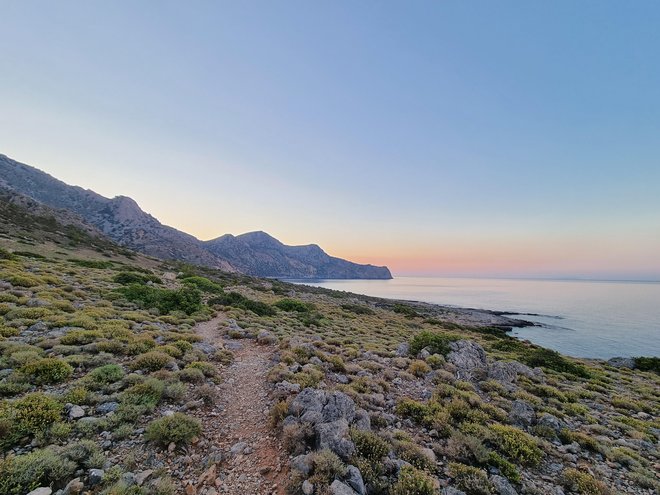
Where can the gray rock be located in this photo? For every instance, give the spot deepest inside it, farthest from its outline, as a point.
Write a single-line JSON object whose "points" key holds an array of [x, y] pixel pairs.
{"points": [[403, 349], [38, 327], [234, 346], [423, 354], [339, 488], [502, 485], [315, 360], [622, 362], [354, 479], [334, 436], [107, 407], [452, 491], [339, 406], [142, 476], [362, 421], [468, 357], [95, 476], [307, 488], [303, 464], [339, 378], [74, 487], [204, 347], [128, 478], [238, 448], [310, 399], [43, 490], [76, 412], [550, 421], [522, 413], [287, 388]]}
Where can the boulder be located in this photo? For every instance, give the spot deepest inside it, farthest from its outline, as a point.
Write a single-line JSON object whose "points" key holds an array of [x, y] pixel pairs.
{"points": [[95, 476], [43, 490], [204, 347], [339, 488], [76, 412], [107, 407], [452, 491], [552, 422], [403, 349], [334, 436], [310, 399], [286, 388], [338, 406], [354, 479], [502, 485], [522, 413], [468, 357], [307, 488], [362, 420], [622, 362], [266, 338], [303, 464]]}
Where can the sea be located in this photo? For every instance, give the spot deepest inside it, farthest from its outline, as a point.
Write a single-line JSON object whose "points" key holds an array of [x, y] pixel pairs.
{"points": [[580, 318]]}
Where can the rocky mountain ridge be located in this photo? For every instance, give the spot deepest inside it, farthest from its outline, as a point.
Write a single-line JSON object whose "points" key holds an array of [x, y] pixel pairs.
{"points": [[122, 220]]}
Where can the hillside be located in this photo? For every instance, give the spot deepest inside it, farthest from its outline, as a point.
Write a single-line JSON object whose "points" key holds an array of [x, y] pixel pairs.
{"points": [[259, 254], [123, 374], [123, 221]]}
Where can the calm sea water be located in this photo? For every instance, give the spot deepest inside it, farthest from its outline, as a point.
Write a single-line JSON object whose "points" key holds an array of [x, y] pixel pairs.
{"points": [[579, 318]]}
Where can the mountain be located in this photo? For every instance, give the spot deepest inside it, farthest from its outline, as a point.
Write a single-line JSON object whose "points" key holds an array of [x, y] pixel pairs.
{"points": [[257, 253], [124, 222]]}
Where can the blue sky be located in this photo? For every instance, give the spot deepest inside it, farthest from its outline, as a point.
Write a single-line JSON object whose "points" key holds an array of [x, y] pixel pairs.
{"points": [[452, 138]]}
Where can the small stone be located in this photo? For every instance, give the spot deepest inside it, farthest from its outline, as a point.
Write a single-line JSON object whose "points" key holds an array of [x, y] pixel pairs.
{"points": [[142, 476], [74, 487], [238, 448], [76, 412], [171, 447], [95, 476], [43, 490], [307, 488]]}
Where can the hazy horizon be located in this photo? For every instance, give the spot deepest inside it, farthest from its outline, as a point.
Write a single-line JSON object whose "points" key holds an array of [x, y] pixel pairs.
{"points": [[440, 139]]}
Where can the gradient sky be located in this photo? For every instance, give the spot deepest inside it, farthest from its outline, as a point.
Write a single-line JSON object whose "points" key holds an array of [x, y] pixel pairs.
{"points": [[516, 138]]}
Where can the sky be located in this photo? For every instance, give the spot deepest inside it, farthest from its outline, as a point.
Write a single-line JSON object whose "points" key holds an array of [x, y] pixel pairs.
{"points": [[451, 138]]}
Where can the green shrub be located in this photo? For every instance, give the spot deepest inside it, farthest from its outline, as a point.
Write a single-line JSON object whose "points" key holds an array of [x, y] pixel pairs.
{"points": [[294, 305], [412, 481], [549, 359], [151, 361], [98, 264], [507, 468], [23, 281], [412, 409], [80, 337], [30, 415], [8, 331], [406, 310], [470, 479], [369, 446], [127, 278], [326, 466], [437, 343], [414, 454], [147, 393], [203, 284], [418, 368], [648, 364], [582, 483], [517, 445], [22, 474], [187, 299], [191, 375], [48, 370], [84, 453], [6, 255], [178, 428], [109, 373], [358, 309]]}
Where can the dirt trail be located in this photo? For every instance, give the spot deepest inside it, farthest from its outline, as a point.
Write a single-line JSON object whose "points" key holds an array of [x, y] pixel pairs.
{"points": [[259, 466]]}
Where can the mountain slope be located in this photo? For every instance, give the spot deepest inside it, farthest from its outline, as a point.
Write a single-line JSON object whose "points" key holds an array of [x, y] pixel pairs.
{"points": [[259, 254], [123, 221], [120, 218]]}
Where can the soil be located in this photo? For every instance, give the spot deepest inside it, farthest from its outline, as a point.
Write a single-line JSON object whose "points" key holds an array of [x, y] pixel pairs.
{"points": [[242, 417]]}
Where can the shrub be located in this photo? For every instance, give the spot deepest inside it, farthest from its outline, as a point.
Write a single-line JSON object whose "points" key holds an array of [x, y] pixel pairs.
{"points": [[151, 361], [419, 368], [414, 454], [191, 375], [412, 409], [369, 446], [207, 368], [437, 343], [186, 299], [8, 331], [178, 428], [6, 255], [549, 359], [237, 300], [295, 437], [413, 481], [517, 445], [127, 278], [406, 310], [31, 414], [582, 483], [507, 468], [21, 474], [23, 281], [326, 466], [80, 337], [48, 370], [358, 309], [648, 364], [147, 393], [85, 453], [470, 479], [109, 373], [294, 305], [203, 284]]}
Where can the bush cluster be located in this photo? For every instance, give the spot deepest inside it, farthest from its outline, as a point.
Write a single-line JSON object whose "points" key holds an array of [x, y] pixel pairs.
{"points": [[178, 428]]}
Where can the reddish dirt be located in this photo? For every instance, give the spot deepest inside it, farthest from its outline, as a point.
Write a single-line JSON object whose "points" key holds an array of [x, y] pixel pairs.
{"points": [[241, 415]]}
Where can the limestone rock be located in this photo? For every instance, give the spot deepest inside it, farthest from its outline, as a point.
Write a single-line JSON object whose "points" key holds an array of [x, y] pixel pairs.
{"points": [[339, 488], [522, 413], [502, 485], [354, 480], [43, 490], [468, 357]]}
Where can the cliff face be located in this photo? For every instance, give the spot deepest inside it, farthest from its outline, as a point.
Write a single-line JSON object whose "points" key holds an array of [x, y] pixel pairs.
{"points": [[260, 254], [123, 221]]}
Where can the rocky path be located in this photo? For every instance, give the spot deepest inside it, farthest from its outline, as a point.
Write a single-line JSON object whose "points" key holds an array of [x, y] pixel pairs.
{"points": [[254, 462]]}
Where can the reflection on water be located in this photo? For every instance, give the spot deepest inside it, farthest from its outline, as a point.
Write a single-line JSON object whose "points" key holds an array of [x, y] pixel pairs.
{"points": [[578, 318]]}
